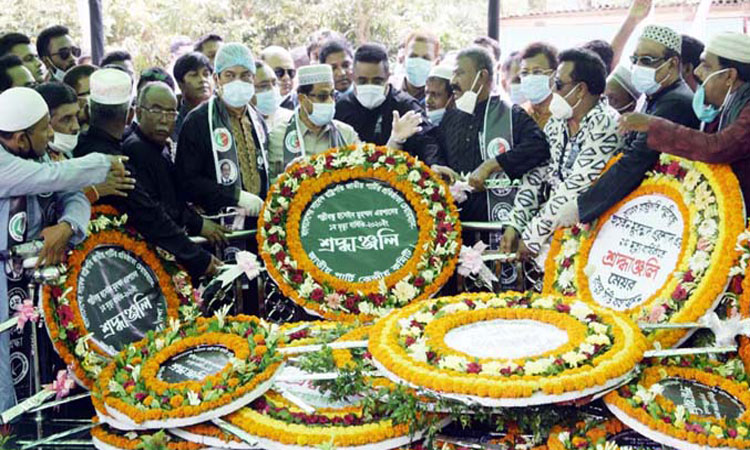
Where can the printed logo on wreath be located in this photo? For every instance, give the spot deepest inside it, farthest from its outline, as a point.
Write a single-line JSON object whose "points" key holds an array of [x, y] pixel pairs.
{"points": [[501, 212], [17, 226], [660, 254], [291, 142], [504, 185], [222, 139], [366, 229]]}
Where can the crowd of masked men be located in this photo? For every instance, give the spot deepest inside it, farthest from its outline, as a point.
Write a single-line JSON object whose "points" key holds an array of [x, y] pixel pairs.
{"points": [[172, 148]]}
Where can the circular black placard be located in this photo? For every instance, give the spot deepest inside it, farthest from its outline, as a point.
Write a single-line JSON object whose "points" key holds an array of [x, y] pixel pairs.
{"points": [[195, 364]]}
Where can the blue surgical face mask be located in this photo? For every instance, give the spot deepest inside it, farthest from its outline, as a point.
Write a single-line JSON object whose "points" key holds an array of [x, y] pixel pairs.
{"points": [[644, 78], [536, 88], [516, 94], [238, 93], [267, 102], [436, 115], [322, 113], [417, 71], [707, 113]]}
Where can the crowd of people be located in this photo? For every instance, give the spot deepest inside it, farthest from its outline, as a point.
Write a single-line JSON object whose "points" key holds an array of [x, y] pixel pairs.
{"points": [[173, 147]]}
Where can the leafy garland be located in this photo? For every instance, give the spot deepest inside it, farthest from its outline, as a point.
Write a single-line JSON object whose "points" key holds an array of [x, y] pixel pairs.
{"points": [[62, 314], [300, 279], [587, 434], [141, 440], [711, 204], [642, 400], [129, 384], [602, 346]]}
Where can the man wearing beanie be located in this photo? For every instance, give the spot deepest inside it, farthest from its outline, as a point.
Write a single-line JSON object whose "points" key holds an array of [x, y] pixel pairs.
{"points": [[226, 131], [722, 103], [655, 73], [38, 200]]}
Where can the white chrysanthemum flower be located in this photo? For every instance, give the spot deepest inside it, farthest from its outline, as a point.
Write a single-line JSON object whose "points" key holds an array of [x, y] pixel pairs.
{"points": [[598, 339], [538, 366], [565, 279], [573, 359], [699, 262], [453, 362], [598, 328], [405, 292], [708, 228], [580, 310]]}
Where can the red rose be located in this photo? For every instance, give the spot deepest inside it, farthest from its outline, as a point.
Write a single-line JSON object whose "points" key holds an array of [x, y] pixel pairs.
{"points": [[298, 278], [679, 294], [65, 314], [736, 286], [276, 220], [410, 340], [280, 255], [474, 367], [440, 216], [390, 160], [286, 191], [57, 292], [72, 335], [350, 303], [377, 299], [317, 294], [425, 175], [274, 238], [567, 262], [688, 277], [470, 303], [367, 355], [563, 308], [441, 239], [575, 231], [139, 396], [445, 227], [673, 168], [418, 282], [436, 197]]}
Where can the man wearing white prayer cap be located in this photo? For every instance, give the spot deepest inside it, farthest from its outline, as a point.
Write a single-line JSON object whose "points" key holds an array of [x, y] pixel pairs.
{"points": [[312, 129], [39, 200], [438, 92], [226, 131], [110, 110], [655, 73], [620, 92], [722, 103]]}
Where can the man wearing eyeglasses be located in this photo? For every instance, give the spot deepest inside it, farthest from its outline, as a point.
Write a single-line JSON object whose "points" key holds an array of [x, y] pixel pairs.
{"points": [[267, 98], [282, 63], [150, 154], [57, 50], [312, 129], [656, 73], [19, 44]]}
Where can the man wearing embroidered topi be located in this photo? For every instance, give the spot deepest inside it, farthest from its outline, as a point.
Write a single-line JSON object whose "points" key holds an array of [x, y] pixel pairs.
{"points": [[39, 199], [312, 129], [110, 101], [656, 73], [721, 102]]}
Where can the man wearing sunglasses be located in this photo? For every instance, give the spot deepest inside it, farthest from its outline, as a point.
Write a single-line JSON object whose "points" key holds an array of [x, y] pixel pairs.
{"points": [[656, 73], [721, 102], [57, 50], [282, 64]]}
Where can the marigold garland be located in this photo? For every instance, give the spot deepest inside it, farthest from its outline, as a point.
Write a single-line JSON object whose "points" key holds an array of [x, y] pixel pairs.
{"points": [[408, 343], [659, 414], [686, 295], [739, 288], [431, 265], [60, 303], [133, 440], [273, 417], [585, 435], [129, 384]]}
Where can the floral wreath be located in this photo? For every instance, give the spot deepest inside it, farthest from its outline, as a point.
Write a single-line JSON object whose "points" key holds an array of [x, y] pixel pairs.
{"points": [[133, 393], [273, 417], [739, 289], [299, 334], [602, 346], [62, 315], [105, 437], [209, 434], [709, 200], [586, 435], [642, 401], [431, 265]]}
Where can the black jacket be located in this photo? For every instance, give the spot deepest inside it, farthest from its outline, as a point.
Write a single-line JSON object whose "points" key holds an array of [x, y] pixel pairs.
{"points": [[374, 125], [156, 174], [146, 214], [673, 103], [459, 140], [196, 169]]}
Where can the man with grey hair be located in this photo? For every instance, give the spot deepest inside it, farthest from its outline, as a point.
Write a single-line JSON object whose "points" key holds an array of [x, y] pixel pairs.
{"points": [[486, 136], [110, 113]]}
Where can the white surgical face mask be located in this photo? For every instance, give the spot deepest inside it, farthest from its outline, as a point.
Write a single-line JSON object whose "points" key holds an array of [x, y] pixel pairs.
{"points": [[535, 87], [559, 106], [370, 95], [64, 143], [644, 78], [417, 71], [267, 102], [516, 94], [436, 115], [322, 113], [468, 100], [238, 93]]}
